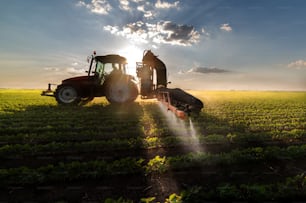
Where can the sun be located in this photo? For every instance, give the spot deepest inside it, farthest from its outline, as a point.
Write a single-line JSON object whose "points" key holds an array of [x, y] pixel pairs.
{"points": [[133, 54]]}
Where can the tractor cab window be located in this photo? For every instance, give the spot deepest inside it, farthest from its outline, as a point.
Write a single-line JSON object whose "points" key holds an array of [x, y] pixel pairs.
{"points": [[108, 68], [99, 69], [99, 72], [123, 67], [102, 70], [114, 68]]}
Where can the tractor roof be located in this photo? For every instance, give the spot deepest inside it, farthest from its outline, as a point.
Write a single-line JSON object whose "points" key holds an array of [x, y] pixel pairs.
{"points": [[112, 58]]}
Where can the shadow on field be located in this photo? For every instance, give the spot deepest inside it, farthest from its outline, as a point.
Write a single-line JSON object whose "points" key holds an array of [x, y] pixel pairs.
{"points": [[53, 153]]}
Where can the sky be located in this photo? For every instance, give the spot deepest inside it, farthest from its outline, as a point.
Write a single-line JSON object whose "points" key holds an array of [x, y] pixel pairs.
{"points": [[205, 44]]}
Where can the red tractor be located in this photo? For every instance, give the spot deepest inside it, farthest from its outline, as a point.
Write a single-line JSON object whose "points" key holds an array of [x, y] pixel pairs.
{"points": [[106, 77]]}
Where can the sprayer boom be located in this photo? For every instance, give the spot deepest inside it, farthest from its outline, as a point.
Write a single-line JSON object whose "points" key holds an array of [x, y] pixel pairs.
{"points": [[179, 102]]}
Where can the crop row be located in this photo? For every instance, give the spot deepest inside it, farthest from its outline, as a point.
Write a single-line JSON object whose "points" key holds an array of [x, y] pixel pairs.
{"points": [[100, 168], [54, 148], [292, 189], [67, 133], [50, 134]]}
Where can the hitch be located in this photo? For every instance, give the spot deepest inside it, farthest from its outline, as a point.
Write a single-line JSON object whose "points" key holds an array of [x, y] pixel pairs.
{"points": [[48, 92]]}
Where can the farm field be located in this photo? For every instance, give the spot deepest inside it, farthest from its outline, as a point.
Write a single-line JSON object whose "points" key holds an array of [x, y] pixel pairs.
{"points": [[243, 146]]}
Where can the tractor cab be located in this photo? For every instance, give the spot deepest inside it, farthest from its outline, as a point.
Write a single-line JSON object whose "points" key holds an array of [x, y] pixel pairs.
{"points": [[103, 67]]}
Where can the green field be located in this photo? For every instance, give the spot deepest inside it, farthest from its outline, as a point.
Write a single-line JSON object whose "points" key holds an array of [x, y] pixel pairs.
{"points": [[243, 146]]}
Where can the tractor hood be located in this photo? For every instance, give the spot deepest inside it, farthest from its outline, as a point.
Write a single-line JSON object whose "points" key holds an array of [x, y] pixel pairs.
{"points": [[77, 79]]}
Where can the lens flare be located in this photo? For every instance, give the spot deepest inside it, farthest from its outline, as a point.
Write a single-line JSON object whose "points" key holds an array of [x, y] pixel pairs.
{"points": [[186, 131], [133, 55]]}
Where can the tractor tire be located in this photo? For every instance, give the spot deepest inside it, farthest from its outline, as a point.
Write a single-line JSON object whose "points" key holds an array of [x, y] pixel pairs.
{"points": [[86, 100], [67, 95], [121, 91]]}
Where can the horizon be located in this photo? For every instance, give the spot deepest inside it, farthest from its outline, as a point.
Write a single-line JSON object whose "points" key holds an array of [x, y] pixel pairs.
{"points": [[191, 90]]}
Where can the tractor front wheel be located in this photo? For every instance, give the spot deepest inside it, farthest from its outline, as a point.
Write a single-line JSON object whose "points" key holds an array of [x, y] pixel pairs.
{"points": [[67, 94]]}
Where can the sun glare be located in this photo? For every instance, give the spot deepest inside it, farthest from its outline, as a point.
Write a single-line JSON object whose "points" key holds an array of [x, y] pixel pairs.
{"points": [[133, 55]]}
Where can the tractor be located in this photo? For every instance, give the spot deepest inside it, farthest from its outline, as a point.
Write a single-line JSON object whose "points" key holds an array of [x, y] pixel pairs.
{"points": [[107, 77]]}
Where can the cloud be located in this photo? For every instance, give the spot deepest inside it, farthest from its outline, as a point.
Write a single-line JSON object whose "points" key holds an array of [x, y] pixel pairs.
{"points": [[205, 70], [143, 25], [134, 31], [64, 71], [103, 7], [147, 11], [75, 71], [178, 34], [124, 5], [166, 5], [97, 6], [163, 32], [53, 69], [75, 64], [226, 27], [299, 64], [204, 32], [150, 10]]}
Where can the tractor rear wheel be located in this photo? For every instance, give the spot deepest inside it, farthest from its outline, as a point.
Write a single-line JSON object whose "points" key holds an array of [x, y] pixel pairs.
{"points": [[67, 94], [121, 91]]}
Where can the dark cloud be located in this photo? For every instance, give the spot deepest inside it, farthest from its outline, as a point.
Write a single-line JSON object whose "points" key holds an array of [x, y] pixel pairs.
{"points": [[163, 32], [178, 34]]}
